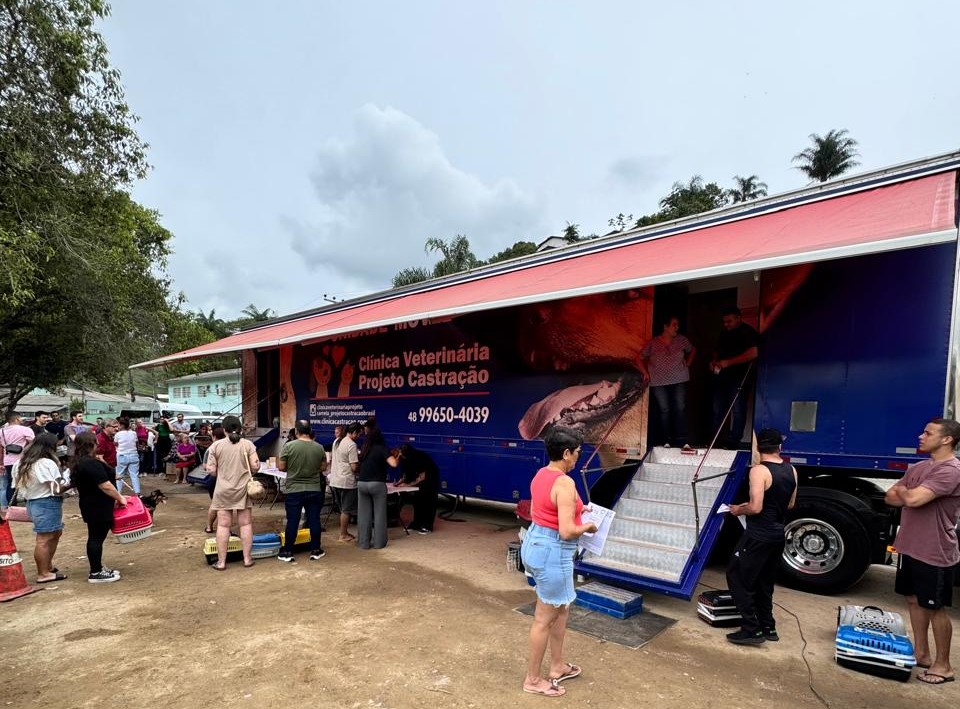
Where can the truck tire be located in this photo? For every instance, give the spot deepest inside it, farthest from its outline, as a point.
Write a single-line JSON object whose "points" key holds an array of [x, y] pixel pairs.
{"points": [[827, 547]]}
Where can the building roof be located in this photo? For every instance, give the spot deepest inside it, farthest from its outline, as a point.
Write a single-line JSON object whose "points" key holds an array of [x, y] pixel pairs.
{"points": [[896, 208], [218, 374]]}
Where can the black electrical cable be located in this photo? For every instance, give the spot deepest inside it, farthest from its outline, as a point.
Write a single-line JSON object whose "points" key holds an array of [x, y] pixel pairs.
{"points": [[803, 649]]}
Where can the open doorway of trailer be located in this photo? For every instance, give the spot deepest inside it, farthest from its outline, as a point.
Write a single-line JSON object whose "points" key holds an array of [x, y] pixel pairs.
{"points": [[268, 389], [699, 307]]}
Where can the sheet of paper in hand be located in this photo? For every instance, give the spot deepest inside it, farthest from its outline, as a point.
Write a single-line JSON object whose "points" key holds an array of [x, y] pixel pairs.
{"points": [[602, 517]]}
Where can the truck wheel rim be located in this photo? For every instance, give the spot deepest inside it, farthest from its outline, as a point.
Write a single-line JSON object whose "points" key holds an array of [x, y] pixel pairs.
{"points": [[812, 546]]}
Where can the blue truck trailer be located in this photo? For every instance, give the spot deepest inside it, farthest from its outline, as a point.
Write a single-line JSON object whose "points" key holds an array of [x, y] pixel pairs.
{"points": [[850, 284]]}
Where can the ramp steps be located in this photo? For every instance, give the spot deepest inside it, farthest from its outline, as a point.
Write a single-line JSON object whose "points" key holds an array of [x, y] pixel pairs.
{"points": [[653, 537]]}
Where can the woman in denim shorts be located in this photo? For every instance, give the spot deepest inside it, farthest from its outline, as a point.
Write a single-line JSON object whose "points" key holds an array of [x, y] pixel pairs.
{"points": [[547, 553], [38, 480]]}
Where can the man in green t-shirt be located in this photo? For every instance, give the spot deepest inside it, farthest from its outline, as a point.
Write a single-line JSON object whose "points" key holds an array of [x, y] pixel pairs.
{"points": [[303, 460]]}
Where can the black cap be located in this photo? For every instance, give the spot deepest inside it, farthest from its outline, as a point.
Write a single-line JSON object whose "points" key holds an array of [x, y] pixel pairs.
{"points": [[769, 437]]}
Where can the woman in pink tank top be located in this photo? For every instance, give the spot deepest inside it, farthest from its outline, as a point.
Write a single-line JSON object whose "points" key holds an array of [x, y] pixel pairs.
{"points": [[547, 552]]}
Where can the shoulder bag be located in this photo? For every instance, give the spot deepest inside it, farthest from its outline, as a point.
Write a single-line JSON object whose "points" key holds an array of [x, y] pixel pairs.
{"points": [[254, 487], [15, 513]]}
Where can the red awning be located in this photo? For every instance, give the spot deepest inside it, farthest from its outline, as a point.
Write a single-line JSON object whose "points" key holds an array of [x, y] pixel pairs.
{"points": [[897, 216]]}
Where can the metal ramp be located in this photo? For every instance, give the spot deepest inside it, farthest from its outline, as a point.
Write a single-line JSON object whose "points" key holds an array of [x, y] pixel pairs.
{"points": [[653, 542]]}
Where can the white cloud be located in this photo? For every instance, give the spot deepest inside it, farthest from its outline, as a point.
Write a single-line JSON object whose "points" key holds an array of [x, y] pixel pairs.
{"points": [[387, 187]]}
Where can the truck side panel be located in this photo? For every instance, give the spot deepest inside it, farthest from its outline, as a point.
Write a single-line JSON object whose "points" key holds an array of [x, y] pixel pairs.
{"points": [[865, 341]]}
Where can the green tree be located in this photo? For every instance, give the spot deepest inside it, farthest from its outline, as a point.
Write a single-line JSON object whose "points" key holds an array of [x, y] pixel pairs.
{"points": [[254, 314], [746, 189], [520, 248], [620, 222], [686, 199], [83, 287], [571, 233], [456, 255], [409, 276], [215, 326], [830, 155]]}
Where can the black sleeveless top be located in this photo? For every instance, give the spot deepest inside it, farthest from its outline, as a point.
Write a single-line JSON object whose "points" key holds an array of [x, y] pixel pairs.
{"points": [[768, 525]]}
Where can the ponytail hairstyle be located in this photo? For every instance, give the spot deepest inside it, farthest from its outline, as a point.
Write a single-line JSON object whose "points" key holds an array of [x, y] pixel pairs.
{"points": [[232, 427]]}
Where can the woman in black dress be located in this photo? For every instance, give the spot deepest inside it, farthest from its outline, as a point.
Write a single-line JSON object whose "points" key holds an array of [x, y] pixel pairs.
{"points": [[95, 482]]}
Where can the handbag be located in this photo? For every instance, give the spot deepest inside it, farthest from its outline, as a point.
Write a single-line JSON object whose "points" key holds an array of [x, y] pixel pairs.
{"points": [[11, 448], [254, 487], [15, 513]]}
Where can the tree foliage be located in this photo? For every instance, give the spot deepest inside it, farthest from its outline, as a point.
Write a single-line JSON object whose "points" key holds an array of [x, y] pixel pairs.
{"points": [[830, 155], [82, 290], [519, 248], [746, 189], [409, 276], [685, 199], [456, 255], [571, 233]]}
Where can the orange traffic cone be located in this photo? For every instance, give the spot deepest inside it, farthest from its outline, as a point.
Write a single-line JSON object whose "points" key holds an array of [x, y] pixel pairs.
{"points": [[13, 583]]}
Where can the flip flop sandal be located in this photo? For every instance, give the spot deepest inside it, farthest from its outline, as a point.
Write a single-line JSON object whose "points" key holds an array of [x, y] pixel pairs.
{"points": [[57, 577], [247, 566], [217, 567], [942, 678], [555, 690], [573, 671], [208, 531]]}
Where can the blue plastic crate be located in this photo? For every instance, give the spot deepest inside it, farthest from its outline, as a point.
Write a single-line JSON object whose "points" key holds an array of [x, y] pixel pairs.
{"points": [[875, 652], [611, 600]]}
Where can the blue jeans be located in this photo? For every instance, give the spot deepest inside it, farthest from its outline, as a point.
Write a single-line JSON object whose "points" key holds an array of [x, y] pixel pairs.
{"points": [[724, 391], [309, 502], [672, 411], [129, 463]]}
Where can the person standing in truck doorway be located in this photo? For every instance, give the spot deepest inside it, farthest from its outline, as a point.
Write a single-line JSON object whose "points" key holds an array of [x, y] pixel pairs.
{"points": [[753, 566], [736, 349], [665, 362], [926, 543]]}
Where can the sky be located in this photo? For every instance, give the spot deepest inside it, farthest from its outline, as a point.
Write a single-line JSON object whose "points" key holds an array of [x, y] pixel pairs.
{"points": [[304, 150]]}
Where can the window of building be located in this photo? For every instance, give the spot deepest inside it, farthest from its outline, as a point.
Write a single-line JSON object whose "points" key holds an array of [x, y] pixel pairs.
{"points": [[181, 392], [203, 390], [232, 389]]}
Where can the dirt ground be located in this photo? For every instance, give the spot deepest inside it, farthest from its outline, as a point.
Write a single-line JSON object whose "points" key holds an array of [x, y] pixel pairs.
{"points": [[426, 622]]}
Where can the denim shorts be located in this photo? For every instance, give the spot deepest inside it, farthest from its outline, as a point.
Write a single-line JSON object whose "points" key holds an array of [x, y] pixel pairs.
{"points": [[549, 559], [46, 513]]}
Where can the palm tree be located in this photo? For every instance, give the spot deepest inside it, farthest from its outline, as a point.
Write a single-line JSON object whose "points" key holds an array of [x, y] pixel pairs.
{"points": [[830, 155], [457, 255], [212, 323], [409, 276], [747, 188], [257, 315]]}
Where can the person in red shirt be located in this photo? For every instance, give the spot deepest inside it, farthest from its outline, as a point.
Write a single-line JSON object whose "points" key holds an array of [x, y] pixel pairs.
{"points": [[547, 552], [106, 448], [927, 544]]}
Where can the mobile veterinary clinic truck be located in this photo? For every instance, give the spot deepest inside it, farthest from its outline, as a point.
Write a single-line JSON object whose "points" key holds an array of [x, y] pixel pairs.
{"points": [[851, 285]]}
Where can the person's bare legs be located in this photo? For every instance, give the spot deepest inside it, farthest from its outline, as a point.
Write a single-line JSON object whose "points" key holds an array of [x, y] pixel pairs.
{"points": [[245, 520], [558, 630], [920, 622], [223, 536], [43, 552], [942, 633], [212, 518], [345, 535], [544, 619]]}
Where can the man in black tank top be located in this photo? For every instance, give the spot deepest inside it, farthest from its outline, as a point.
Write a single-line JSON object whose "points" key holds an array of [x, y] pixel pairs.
{"points": [[753, 566]]}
